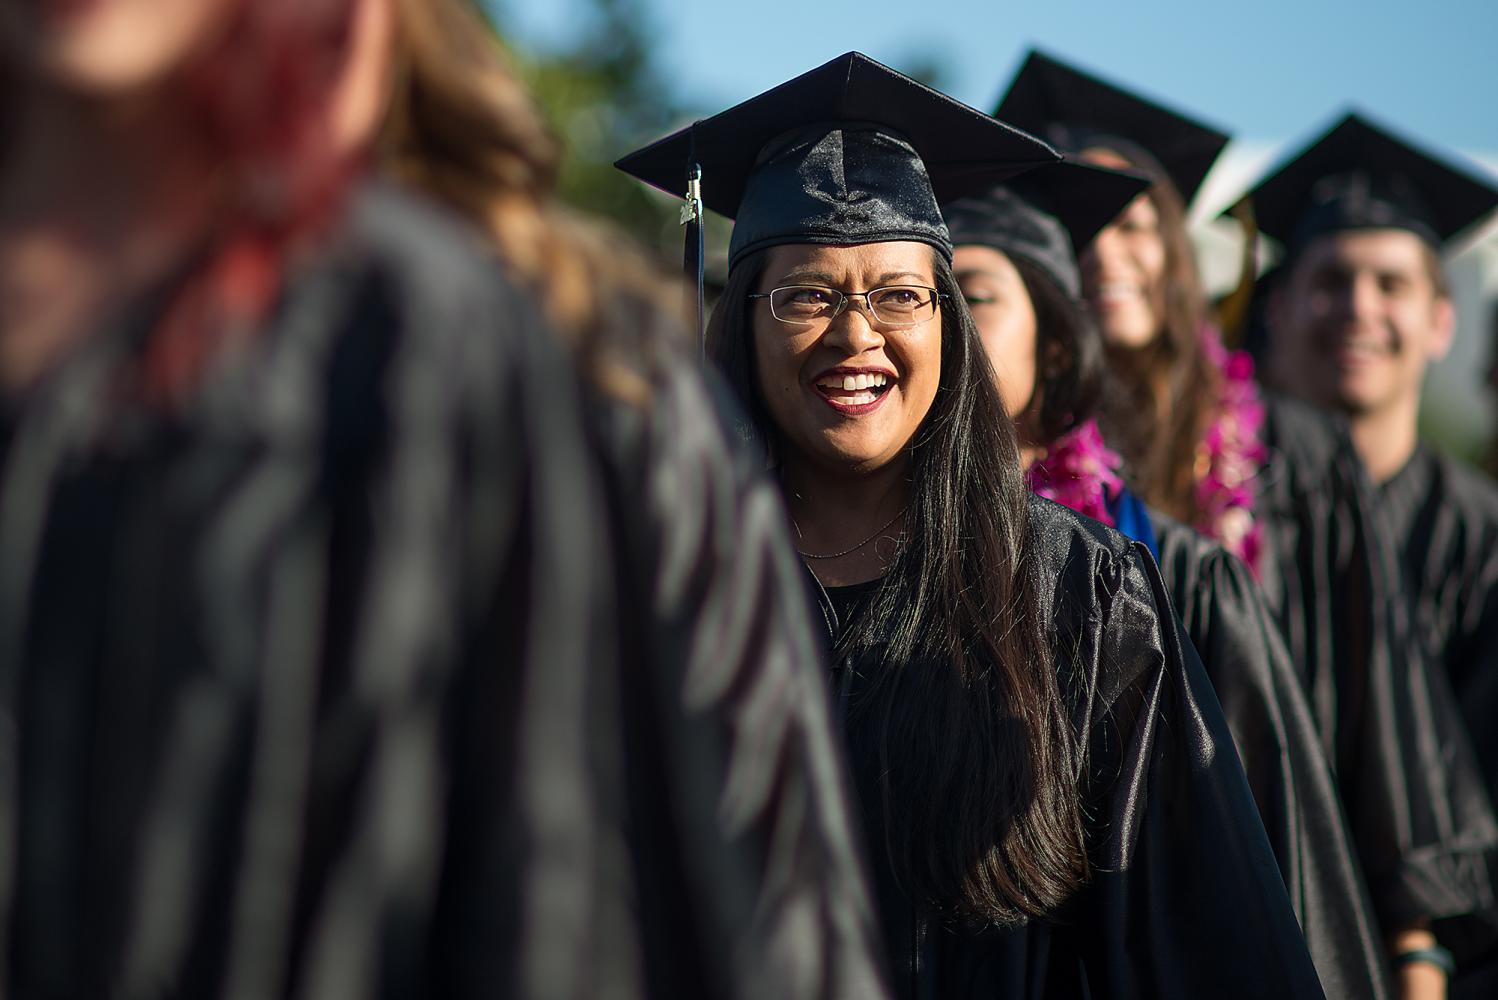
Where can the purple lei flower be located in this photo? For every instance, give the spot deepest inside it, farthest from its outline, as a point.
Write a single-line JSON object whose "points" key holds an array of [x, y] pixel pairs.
{"points": [[1230, 455], [1079, 471]]}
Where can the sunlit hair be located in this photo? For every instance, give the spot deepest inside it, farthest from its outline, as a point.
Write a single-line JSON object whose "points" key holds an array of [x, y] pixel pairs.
{"points": [[260, 98], [977, 791], [463, 128], [1159, 398]]}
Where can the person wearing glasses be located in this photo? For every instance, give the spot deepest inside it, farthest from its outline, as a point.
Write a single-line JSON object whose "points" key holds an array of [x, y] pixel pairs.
{"points": [[1050, 797], [339, 657]]}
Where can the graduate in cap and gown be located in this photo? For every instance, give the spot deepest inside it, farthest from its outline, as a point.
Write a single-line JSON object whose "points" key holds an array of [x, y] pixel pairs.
{"points": [[1359, 310], [1013, 258], [1283, 487], [1051, 801], [338, 657]]}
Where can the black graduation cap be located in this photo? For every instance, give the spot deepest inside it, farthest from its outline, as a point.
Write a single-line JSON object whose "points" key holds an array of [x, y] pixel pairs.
{"points": [[851, 152], [1360, 176], [1073, 110], [1045, 214]]}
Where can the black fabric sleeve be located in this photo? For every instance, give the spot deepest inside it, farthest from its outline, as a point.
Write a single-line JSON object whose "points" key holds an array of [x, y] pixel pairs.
{"points": [[1224, 614], [1187, 900], [1413, 799]]}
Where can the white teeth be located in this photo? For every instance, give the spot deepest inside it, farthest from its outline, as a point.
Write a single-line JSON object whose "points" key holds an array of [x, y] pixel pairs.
{"points": [[854, 383]]}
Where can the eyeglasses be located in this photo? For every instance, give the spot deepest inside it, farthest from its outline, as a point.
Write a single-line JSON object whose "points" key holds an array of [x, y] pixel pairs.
{"points": [[892, 305]]}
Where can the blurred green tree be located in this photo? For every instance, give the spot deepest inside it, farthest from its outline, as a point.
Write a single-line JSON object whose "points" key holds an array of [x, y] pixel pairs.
{"points": [[605, 95]]}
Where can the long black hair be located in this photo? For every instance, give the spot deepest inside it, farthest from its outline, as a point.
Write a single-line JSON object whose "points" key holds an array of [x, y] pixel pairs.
{"points": [[977, 771], [1069, 368]]}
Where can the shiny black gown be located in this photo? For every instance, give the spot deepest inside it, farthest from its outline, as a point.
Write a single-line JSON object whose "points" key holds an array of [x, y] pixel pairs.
{"points": [[1186, 899], [1223, 612], [1413, 797], [390, 665], [1443, 518]]}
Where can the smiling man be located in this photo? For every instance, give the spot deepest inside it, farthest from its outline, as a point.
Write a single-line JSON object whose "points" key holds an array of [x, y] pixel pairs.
{"points": [[1361, 311]]}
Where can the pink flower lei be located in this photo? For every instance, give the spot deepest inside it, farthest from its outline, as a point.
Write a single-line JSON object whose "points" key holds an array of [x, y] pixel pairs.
{"points": [[1079, 471], [1230, 455], [1082, 472]]}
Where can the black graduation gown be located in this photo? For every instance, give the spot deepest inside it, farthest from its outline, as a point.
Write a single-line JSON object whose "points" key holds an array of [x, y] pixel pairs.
{"points": [[315, 688], [1443, 518], [1412, 796], [1186, 899], [1280, 748]]}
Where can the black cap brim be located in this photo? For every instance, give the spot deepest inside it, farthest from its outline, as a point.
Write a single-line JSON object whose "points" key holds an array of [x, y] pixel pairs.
{"points": [[1064, 105], [1046, 216], [963, 149], [1084, 198], [1385, 180]]}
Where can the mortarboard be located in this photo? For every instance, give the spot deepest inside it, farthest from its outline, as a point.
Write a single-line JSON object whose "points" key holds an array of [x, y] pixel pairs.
{"points": [[1074, 110], [851, 152], [1360, 176], [1045, 214]]}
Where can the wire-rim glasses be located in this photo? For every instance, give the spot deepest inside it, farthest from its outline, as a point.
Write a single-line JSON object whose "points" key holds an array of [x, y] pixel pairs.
{"points": [[888, 305]]}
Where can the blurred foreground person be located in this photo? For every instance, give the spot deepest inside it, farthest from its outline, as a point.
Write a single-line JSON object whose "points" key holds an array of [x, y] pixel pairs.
{"points": [[1283, 487], [1047, 782], [1359, 312], [1014, 261], [1490, 382], [725, 728], [328, 666]]}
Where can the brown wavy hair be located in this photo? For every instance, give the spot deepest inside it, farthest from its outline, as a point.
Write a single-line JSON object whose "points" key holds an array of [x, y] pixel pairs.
{"points": [[1159, 398], [257, 98], [463, 128]]}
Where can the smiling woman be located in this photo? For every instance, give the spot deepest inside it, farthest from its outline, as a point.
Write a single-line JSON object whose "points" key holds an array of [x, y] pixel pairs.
{"points": [[880, 363], [1009, 673]]}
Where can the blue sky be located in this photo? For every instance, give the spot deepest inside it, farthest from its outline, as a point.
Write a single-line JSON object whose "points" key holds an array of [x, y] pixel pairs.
{"points": [[1266, 71], [1274, 73]]}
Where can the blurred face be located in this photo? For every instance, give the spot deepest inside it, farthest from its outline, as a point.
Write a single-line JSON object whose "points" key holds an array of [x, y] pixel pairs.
{"points": [[1005, 316], [1359, 320], [108, 48], [849, 394], [1123, 276]]}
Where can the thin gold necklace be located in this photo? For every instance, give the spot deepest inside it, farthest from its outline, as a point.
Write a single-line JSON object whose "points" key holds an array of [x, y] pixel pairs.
{"points": [[834, 555]]}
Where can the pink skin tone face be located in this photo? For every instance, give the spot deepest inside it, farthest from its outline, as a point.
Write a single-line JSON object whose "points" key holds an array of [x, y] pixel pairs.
{"points": [[1359, 321], [1123, 276], [106, 49], [849, 395], [1005, 316]]}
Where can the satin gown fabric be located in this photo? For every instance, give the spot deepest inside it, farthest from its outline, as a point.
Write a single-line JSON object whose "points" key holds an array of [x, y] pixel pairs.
{"points": [[1275, 732], [1186, 899], [367, 674], [1413, 797]]}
